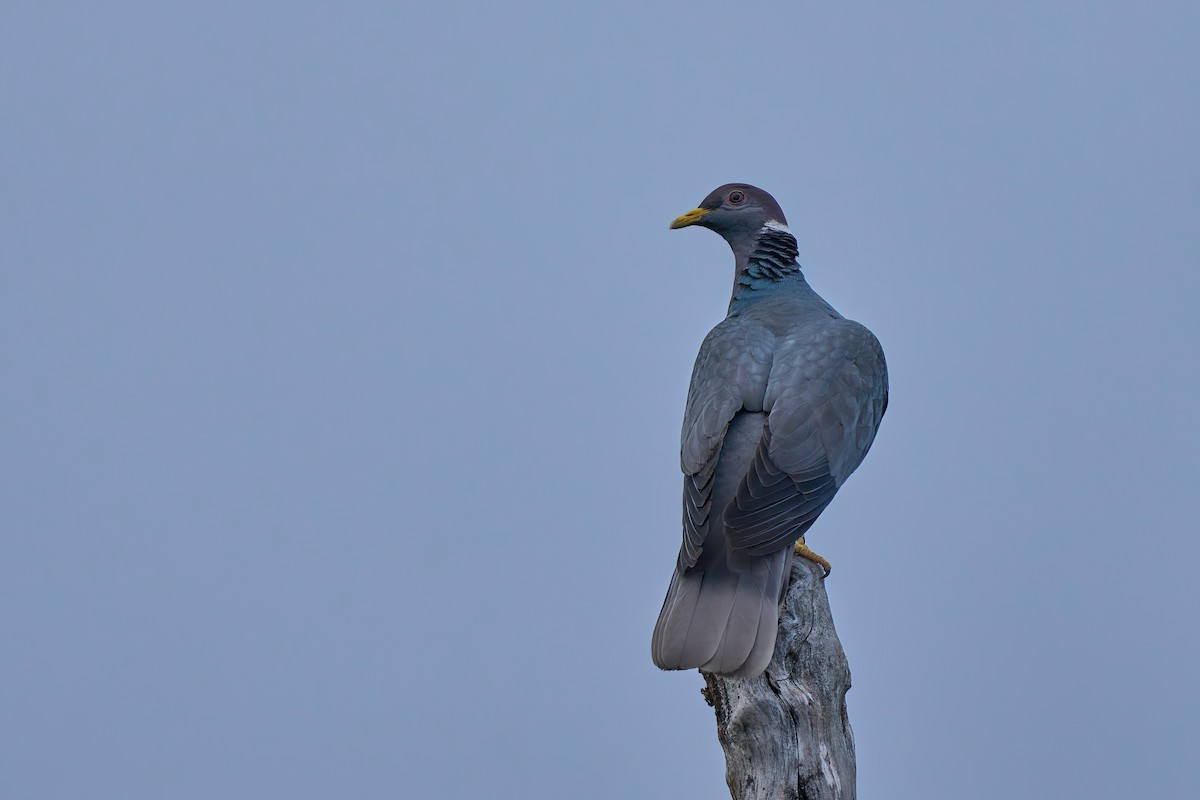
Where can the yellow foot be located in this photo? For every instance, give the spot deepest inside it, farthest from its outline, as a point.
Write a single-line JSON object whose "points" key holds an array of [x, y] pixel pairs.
{"points": [[803, 551]]}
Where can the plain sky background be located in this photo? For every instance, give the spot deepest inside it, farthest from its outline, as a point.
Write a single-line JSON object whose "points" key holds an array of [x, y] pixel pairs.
{"points": [[344, 351]]}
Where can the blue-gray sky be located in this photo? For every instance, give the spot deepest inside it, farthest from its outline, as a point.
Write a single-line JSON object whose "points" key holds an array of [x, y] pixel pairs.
{"points": [[345, 349]]}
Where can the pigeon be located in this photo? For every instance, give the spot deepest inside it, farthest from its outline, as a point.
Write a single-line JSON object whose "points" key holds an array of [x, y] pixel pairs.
{"points": [[785, 400]]}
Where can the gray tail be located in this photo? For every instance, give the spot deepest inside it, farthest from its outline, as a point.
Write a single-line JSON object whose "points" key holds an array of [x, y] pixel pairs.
{"points": [[723, 617]]}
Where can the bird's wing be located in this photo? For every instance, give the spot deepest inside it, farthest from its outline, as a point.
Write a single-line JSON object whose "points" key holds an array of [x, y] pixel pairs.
{"points": [[826, 396], [730, 375]]}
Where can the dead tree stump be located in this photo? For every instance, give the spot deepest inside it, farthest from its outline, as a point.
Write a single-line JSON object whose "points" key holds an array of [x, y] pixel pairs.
{"points": [[786, 733]]}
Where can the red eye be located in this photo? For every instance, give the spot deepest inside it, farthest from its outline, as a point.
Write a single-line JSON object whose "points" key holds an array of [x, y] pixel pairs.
{"points": [[736, 198]]}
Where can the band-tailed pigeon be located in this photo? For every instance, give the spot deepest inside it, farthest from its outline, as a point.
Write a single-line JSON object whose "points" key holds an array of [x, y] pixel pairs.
{"points": [[785, 400]]}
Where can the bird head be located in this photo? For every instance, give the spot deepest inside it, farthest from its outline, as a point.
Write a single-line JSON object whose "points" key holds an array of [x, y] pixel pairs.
{"points": [[737, 211]]}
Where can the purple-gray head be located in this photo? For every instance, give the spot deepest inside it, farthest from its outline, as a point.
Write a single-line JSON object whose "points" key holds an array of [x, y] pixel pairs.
{"points": [[737, 211]]}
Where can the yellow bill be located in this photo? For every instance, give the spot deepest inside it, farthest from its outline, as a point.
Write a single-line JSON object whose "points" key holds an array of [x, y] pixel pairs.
{"points": [[690, 218]]}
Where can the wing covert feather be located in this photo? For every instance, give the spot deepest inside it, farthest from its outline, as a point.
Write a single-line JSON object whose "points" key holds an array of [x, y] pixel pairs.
{"points": [[730, 375]]}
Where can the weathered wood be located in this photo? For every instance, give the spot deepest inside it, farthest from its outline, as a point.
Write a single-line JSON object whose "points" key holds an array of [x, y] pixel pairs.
{"points": [[786, 733]]}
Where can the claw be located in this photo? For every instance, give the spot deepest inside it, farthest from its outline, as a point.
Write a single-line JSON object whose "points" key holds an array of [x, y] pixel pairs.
{"points": [[803, 551]]}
